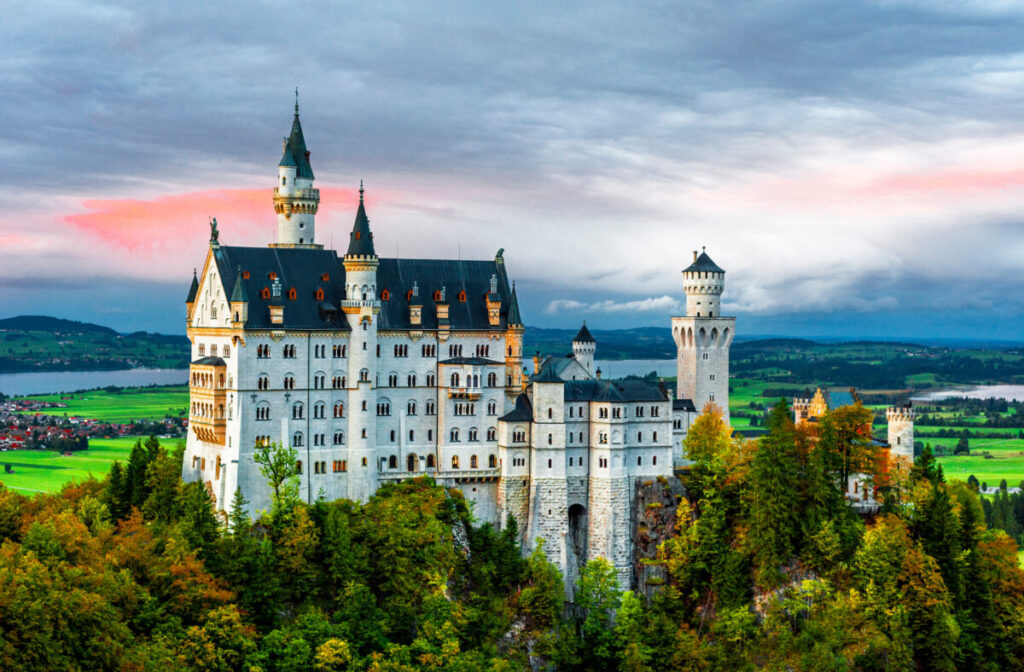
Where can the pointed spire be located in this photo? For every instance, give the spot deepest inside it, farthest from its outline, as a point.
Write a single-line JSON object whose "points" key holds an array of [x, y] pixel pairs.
{"points": [[296, 102], [238, 294], [194, 289], [295, 152], [360, 242], [583, 335], [513, 310]]}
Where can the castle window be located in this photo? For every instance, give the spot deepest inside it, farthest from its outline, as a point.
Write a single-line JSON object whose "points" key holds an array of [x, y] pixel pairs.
{"points": [[340, 465], [437, 296], [263, 382], [319, 294], [202, 350], [392, 438], [408, 296], [430, 461], [704, 356], [292, 293], [712, 376], [474, 435], [412, 437], [410, 409], [654, 460], [570, 437], [226, 350], [297, 412], [472, 462], [550, 412], [431, 380], [284, 181], [339, 438], [455, 461], [289, 382], [455, 436], [431, 408], [550, 464], [492, 434], [245, 275], [272, 275], [297, 440], [492, 379], [492, 408], [265, 293], [711, 397], [410, 380], [462, 296], [392, 380], [492, 461], [549, 439], [570, 461], [392, 462], [455, 379], [639, 437], [298, 466], [639, 460], [364, 436], [385, 295], [325, 277]]}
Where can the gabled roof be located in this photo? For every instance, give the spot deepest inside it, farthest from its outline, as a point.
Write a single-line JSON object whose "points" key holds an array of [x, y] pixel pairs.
{"points": [[194, 289], [547, 375], [583, 335], [618, 391], [304, 270], [703, 263], [360, 241], [523, 412], [295, 153]]}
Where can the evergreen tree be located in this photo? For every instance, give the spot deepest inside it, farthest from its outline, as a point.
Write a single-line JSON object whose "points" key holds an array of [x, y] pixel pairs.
{"points": [[598, 597], [774, 507], [117, 494]]}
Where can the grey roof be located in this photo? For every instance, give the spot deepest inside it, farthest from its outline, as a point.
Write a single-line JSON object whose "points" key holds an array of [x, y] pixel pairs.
{"points": [[513, 311], [547, 375], [683, 405], [193, 290], [523, 412], [583, 336], [303, 270], [238, 294], [295, 152], [838, 399], [474, 361], [209, 361], [703, 263], [360, 241], [620, 391]]}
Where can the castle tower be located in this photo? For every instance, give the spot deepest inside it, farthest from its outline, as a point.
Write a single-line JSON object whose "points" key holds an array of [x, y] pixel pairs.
{"points": [[549, 494], [901, 431], [295, 199], [583, 348], [703, 337], [361, 307]]}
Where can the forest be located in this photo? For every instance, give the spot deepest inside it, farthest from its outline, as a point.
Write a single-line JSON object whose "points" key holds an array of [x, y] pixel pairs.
{"points": [[768, 568]]}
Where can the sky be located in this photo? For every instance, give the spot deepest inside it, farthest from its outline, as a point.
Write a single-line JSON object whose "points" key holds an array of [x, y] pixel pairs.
{"points": [[856, 168]]}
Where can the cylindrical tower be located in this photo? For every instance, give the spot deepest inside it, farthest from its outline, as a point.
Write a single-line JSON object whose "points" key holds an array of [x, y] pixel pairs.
{"points": [[362, 307], [295, 199], [703, 337]]}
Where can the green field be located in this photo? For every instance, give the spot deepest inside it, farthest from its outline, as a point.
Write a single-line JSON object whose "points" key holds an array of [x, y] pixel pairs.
{"points": [[144, 403], [49, 471]]}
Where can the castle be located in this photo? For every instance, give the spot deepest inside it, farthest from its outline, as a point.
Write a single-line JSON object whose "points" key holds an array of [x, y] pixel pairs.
{"points": [[379, 369]]}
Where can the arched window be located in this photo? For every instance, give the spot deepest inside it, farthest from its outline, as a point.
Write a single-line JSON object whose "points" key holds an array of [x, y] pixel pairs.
{"points": [[492, 434], [472, 462], [455, 380], [297, 439], [455, 461], [393, 462], [410, 463], [385, 295], [292, 294], [265, 293], [492, 461], [319, 294], [437, 295], [430, 461], [297, 411], [462, 296], [492, 379], [411, 408], [263, 382]]}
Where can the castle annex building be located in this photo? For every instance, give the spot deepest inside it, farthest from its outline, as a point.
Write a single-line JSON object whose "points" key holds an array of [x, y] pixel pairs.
{"points": [[377, 369]]}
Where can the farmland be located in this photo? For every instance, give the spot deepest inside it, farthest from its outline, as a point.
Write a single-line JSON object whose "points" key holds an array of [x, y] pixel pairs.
{"points": [[48, 471], [122, 405]]}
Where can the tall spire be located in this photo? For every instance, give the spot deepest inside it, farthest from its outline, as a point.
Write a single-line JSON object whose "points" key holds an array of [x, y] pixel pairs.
{"points": [[296, 102], [513, 310], [360, 242]]}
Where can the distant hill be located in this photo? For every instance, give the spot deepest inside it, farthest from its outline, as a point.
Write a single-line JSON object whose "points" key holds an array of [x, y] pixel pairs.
{"points": [[53, 325], [43, 343]]}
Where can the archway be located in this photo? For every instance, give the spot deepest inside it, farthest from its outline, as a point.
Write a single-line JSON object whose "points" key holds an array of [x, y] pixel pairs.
{"points": [[411, 462], [577, 541]]}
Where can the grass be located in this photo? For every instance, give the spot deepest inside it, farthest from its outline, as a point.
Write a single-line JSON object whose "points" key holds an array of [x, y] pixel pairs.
{"points": [[49, 471], [142, 403]]}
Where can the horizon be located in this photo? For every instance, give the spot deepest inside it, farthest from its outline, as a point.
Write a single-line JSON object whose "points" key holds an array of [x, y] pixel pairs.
{"points": [[856, 170]]}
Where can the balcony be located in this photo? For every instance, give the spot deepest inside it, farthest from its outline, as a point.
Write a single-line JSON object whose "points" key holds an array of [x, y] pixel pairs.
{"points": [[464, 393], [468, 475], [207, 400], [309, 194]]}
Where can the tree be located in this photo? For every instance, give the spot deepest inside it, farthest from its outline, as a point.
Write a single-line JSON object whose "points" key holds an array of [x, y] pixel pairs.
{"points": [[279, 465], [598, 596], [636, 654], [962, 447], [774, 511]]}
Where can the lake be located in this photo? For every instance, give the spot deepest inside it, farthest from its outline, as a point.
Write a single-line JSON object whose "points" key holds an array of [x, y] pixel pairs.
{"points": [[1008, 392], [50, 382], [619, 368]]}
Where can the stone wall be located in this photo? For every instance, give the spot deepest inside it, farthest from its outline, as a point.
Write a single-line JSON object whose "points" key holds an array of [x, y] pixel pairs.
{"points": [[655, 505]]}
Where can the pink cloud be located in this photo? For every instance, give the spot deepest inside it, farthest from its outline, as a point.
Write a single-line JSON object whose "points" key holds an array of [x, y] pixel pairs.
{"points": [[175, 223], [950, 182]]}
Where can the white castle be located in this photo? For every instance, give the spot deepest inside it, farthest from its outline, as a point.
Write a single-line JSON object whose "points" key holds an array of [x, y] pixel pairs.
{"points": [[377, 369]]}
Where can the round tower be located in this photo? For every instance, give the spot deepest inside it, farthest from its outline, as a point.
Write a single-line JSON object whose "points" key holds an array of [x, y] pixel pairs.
{"points": [[362, 307], [583, 348], [901, 430], [703, 337], [295, 199]]}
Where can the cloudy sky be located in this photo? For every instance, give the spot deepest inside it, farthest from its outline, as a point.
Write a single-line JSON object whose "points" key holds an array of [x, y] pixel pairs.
{"points": [[857, 168]]}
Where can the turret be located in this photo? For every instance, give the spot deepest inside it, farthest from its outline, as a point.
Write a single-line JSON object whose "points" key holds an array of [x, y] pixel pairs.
{"points": [[583, 347], [295, 200], [190, 301], [703, 283], [901, 430], [239, 301]]}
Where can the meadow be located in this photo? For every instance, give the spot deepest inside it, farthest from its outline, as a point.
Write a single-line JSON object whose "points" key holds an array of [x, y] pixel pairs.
{"points": [[49, 471], [122, 405]]}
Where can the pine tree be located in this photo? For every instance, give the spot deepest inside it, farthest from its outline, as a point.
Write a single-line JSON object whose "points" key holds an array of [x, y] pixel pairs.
{"points": [[116, 494], [774, 507]]}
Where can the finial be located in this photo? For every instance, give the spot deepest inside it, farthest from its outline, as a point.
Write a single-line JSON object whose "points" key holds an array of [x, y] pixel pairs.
{"points": [[361, 191], [214, 234], [703, 248], [296, 101], [194, 273]]}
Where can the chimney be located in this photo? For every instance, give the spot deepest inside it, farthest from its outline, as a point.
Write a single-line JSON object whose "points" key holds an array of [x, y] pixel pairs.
{"points": [[695, 256], [598, 373], [536, 363]]}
